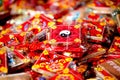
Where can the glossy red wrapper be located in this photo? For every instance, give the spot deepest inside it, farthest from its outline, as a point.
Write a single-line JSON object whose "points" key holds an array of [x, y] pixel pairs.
{"points": [[93, 31], [65, 34], [50, 63], [114, 49]]}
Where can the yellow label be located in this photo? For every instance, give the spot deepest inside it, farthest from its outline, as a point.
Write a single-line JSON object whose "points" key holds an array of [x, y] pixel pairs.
{"points": [[3, 69], [19, 27], [100, 49], [117, 38], [77, 40], [109, 78], [52, 41], [59, 20], [102, 23], [26, 60], [66, 70], [111, 50], [2, 50], [45, 52], [52, 25], [68, 59], [99, 68], [77, 26], [37, 15], [35, 66]]}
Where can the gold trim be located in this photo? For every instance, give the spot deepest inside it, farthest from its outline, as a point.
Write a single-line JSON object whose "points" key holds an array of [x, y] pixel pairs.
{"points": [[45, 52], [62, 61], [68, 59], [3, 69], [37, 15], [66, 70], [77, 26], [36, 66], [52, 25], [52, 41], [111, 50], [64, 75], [108, 78], [77, 40]]}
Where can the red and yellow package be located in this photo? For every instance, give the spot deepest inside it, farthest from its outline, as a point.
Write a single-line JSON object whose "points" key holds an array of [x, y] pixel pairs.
{"points": [[103, 74], [109, 69], [16, 58], [114, 48], [50, 63], [70, 48], [64, 34], [74, 50], [94, 51], [107, 3], [3, 60], [93, 30], [36, 23]]}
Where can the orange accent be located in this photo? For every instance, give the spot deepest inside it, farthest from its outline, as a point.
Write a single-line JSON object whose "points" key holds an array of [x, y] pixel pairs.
{"points": [[36, 57], [11, 36], [117, 44], [99, 29], [2, 50], [52, 41], [5, 31], [36, 66], [45, 42], [79, 20], [62, 61], [103, 23], [19, 27], [1, 35], [109, 78], [108, 3], [111, 50], [23, 34], [68, 59], [3, 69], [35, 21], [91, 5], [58, 67], [1, 43], [102, 60], [66, 70], [70, 76], [37, 15], [117, 38], [77, 40], [45, 52], [99, 69], [111, 22], [35, 27], [100, 49], [77, 26], [98, 35], [92, 14], [59, 20], [52, 25], [42, 65], [82, 68], [26, 60]]}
